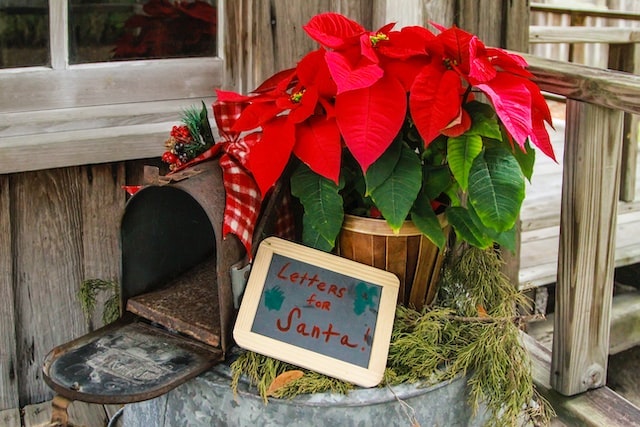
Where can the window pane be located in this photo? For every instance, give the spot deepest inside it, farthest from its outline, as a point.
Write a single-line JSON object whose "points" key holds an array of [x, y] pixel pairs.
{"points": [[24, 33], [107, 30]]}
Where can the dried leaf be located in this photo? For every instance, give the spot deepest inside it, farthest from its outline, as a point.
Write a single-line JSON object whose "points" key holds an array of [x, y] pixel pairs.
{"points": [[282, 380], [482, 312]]}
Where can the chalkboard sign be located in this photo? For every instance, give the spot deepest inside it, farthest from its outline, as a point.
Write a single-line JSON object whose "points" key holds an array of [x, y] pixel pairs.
{"points": [[318, 311]]}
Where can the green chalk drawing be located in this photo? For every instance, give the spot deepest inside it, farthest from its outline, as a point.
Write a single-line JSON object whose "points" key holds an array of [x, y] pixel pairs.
{"points": [[273, 298], [365, 297]]}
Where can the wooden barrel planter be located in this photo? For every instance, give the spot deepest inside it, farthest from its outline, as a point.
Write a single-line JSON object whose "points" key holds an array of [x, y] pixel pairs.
{"points": [[408, 254]]}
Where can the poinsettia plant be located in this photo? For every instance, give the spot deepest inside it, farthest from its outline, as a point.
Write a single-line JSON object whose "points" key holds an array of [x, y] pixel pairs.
{"points": [[391, 123], [167, 28]]}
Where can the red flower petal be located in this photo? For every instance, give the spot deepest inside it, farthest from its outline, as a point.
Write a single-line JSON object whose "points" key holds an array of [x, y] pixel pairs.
{"points": [[434, 101], [255, 115], [319, 146], [370, 118], [480, 68], [305, 108], [405, 70], [408, 42], [459, 125], [513, 102], [312, 70], [269, 157], [276, 80], [508, 62], [348, 78], [229, 96], [333, 30]]}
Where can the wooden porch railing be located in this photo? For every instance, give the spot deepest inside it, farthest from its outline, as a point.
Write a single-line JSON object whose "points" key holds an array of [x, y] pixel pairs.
{"points": [[596, 102], [623, 54]]}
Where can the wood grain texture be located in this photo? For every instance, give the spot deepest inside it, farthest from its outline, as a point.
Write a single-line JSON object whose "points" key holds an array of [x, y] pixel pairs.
{"points": [[615, 90], [517, 17], [48, 270], [80, 414], [103, 202], [8, 361], [581, 10], [484, 19], [552, 34], [626, 57], [109, 83], [586, 253], [10, 417]]}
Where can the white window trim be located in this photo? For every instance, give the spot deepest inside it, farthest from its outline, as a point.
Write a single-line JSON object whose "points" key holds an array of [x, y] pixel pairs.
{"points": [[67, 115]]}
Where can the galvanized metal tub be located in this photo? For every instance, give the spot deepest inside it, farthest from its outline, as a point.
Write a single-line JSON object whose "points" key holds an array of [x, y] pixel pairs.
{"points": [[208, 400]]}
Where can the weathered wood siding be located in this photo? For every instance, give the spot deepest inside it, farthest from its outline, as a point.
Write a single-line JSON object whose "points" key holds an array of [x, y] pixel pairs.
{"points": [[59, 225]]}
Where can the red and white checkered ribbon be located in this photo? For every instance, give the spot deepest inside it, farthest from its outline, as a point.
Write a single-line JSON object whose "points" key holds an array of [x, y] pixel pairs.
{"points": [[243, 200]]}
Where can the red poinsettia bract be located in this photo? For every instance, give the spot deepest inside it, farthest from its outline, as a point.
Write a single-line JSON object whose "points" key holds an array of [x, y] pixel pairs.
{"points": [[357, 89]]}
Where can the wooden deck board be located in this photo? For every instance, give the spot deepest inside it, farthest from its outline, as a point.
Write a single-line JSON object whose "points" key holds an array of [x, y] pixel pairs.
{"points": [[540, 219], [10, 418], [80, 414]]}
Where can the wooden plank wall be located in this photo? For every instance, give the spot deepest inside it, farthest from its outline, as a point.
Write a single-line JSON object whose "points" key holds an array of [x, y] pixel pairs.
{"points": [[66, 225], [60, 226]]}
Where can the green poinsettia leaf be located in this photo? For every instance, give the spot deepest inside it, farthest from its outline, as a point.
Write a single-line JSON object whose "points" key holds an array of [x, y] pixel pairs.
{"points": [[461, 152], [526, 159], [506, 239], [466, 229], [496, 188], [435, 180], [322, 203], [484, 121], [313, 238], [382, 168], [427, 222], [395, 196]]}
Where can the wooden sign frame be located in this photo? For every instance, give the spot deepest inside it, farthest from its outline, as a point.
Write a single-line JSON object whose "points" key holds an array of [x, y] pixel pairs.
{"points": [[357, 358]]}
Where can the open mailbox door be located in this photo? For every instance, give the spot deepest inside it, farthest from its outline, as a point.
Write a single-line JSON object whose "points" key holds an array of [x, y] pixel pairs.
{"points": [[176, 292]]}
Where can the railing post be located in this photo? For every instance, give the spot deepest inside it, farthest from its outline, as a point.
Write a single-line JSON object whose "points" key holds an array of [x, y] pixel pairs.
{"points": [[626, 57], [587, 243]]}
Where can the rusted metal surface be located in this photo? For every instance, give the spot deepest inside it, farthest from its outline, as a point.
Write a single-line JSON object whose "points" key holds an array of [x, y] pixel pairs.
{"points": [[188, 304], [169, 229], [125, 362]]}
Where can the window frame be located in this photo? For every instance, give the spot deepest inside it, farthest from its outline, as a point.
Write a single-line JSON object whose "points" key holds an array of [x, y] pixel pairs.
{"points": [[66, 115]]}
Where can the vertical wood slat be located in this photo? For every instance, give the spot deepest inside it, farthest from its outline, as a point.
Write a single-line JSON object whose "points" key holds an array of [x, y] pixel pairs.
{"points": [[59, 43], [412, 12], [626, 57], [586, 254], [8, 362], [482, 18], [396, 256], [103, 202], [48, 268]]}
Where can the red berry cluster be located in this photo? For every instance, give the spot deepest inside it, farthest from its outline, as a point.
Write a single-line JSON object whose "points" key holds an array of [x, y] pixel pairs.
{"points": [[177, 145]]}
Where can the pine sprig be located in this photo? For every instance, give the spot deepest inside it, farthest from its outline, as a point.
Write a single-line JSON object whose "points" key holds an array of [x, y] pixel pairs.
{"points": [[88, 293]]}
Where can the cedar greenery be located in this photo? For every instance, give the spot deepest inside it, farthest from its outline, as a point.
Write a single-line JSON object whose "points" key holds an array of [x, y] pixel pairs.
{"points": [[88, 292], [473, 331]]}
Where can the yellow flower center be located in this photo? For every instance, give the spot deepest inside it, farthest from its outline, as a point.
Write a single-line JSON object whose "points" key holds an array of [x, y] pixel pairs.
{"points": [[378, 38], [449, 63], [297, 97]]}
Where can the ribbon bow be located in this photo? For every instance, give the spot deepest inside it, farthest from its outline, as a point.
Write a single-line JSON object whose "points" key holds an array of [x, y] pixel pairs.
{"points": [[243, 199]]}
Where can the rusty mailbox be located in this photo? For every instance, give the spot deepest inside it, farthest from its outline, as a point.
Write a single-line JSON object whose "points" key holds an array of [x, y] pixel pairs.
{"points": [[176, 292]]}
